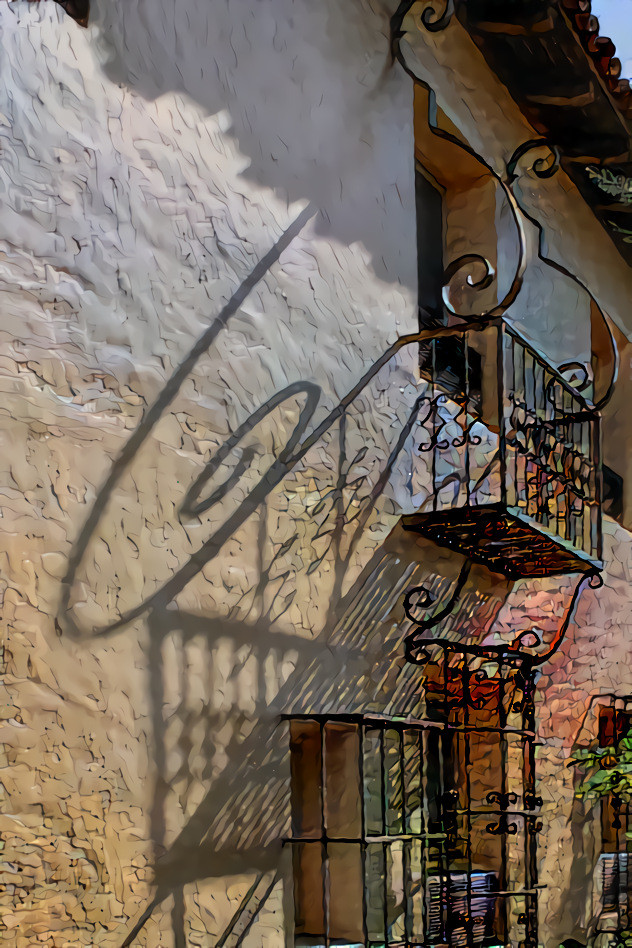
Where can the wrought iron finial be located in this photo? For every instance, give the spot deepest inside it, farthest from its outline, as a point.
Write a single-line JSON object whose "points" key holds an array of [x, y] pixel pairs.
{"points": [[435, 22], [430, 19], [544, 167]]}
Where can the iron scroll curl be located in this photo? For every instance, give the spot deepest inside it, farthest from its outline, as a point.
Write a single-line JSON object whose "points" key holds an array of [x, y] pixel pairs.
{"points": [[431, 19], [545, 167], [436, 22], [467, 264], [417, 647]]}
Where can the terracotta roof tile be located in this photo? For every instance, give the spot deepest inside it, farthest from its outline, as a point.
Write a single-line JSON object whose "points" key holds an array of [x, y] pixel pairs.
{"points": [[601, 50]]}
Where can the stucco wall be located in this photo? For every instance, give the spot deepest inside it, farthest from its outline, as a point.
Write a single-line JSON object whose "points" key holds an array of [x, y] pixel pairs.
{"points": [[237, 177], [208, 237]]}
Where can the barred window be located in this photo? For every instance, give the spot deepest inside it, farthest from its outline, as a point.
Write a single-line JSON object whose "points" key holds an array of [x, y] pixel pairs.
{"points": [[615, 865], [614, 869], [377, 857]]}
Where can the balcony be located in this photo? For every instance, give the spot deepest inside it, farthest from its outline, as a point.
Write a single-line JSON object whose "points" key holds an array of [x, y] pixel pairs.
{"points": [[512, 452]]}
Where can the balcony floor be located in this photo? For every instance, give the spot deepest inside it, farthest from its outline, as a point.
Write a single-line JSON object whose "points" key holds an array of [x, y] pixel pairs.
{"points": [[501, 540]]}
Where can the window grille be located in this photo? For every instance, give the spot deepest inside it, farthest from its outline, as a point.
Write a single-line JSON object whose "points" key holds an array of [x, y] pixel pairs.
{"points": [[408, 832], [615, 863], [615, 881], [512, 450]]}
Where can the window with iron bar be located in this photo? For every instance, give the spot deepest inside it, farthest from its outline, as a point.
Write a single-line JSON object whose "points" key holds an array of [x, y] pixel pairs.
{"points": [[615, 863], [377, 857]]}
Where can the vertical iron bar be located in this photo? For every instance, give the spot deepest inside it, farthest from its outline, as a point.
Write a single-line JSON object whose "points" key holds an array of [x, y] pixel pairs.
{"points": [[406, 886], [502, 720], [561, 494], [433, 441], [382, 732], [363, 841], [616, 805], [528, 481], [515, 397], [596, 452], [424, 827], [466, 351], [529, 788], [626, 830], [323, 829], [500, 381], [446, 890], [468, 801]]}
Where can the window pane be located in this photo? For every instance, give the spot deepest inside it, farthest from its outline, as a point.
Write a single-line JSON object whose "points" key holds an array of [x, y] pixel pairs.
{"points": [[342, 781], [417, 894], [373, 783], [309, 910], [412, 780], [345, 892], [396, 903], [375, 874], [305, 747], [393, 767]]}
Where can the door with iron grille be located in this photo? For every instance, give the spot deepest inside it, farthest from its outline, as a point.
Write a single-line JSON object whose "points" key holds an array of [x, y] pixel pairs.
{"points": [[421, 831], [614, 880]]}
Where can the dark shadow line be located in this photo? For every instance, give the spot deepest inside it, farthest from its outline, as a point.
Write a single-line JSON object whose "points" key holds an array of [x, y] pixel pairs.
{"points": [[339, 602], [177, 918], [240, 910], [167, 395], [142, 921], [262, 902]]}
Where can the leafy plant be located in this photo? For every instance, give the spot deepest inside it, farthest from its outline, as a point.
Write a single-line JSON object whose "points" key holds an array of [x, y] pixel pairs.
{"points": [[606, 771], [626, 235], [617, 185]]}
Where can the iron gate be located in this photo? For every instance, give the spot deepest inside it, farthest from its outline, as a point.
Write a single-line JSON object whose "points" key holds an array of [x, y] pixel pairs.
{"points": [[421, 831]]}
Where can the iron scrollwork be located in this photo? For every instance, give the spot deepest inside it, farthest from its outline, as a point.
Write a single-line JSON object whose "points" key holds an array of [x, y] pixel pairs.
{"points": [[432, 17], [502, 827], [504, 800], [434, 21], [421, 596], [476, 271], [545, 166]]}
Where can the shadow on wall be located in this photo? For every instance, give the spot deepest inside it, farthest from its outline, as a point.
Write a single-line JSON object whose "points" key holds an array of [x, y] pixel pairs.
{"points": [[219, 684], [311, 96], [316, 110], [220, 739]]}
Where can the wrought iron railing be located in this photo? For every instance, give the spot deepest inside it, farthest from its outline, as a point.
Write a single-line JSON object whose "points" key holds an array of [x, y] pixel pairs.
{"points": [[514, 447], [421, 831]]}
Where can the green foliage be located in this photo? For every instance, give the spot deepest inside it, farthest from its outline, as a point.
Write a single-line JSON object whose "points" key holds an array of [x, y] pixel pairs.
{"points": [[607, 771], [616, 185], [626, 235]]}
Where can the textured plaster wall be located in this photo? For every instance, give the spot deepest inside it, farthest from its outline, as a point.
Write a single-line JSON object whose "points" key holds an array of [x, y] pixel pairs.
{"points": [[206, 210], [150, 164]]}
